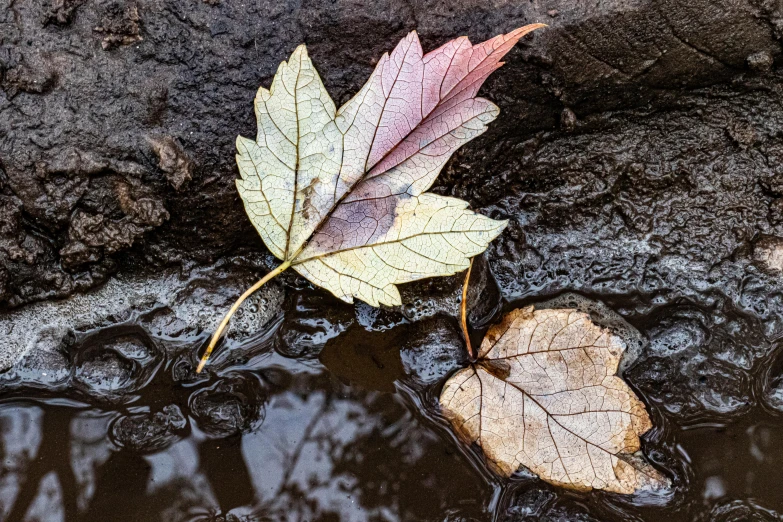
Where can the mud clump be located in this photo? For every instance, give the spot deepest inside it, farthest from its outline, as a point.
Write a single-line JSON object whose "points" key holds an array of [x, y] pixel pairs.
{"points": [[61, 12], [113, 364], [174, 161], [149, 432], [119, 25], [232, 405]]}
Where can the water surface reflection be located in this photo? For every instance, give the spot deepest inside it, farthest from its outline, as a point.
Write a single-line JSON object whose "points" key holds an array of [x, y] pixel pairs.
{"points": [[348, 430]]}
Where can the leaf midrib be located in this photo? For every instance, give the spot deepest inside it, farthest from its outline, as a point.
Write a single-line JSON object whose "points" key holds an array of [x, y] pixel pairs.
{"points": [[294, 259], [296, 167], [554, 418]]}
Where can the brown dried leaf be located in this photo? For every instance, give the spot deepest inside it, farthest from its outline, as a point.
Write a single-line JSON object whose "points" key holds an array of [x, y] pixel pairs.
{"points": [[545, 395]]}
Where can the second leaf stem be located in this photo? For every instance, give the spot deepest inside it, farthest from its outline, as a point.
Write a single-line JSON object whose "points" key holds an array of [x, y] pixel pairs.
{"points": [[464, 311]]}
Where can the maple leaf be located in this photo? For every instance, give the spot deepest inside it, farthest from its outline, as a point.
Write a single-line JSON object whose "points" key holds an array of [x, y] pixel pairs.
{"points": [[544, 394], [339, 195]]}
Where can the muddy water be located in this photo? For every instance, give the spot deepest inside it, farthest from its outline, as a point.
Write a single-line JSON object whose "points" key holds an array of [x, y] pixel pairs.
{"points": [[328, 412]]}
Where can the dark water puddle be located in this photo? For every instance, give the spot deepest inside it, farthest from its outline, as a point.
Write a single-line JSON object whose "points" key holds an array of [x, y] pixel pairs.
{"points": [[330, 413]]}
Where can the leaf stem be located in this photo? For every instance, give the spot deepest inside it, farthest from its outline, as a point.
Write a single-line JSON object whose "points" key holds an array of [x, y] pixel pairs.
{"points": [[464, 312], [233, 309]]}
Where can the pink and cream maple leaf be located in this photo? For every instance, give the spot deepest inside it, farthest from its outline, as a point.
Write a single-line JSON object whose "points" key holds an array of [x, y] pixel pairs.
{"points": [[339, 195]]}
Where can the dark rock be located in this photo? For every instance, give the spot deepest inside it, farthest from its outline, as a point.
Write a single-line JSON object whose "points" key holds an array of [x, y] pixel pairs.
{"points": [[12, 235], [761, 61], [432, 351], [149, 432], [112, 364], [693, 367], [568, 120], [5, 279], [232, 405], [693, 81], [311, 321], [776, 212]]}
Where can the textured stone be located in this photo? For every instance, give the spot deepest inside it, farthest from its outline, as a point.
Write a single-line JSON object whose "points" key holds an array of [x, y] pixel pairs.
{"points": [[87, 85]]}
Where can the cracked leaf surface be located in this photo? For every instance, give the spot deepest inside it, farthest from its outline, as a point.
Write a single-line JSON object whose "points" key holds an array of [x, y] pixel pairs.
{"points": [[340, 194], [544, 394]]}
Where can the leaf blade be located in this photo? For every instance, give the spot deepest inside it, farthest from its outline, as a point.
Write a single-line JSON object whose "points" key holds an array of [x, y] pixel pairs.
{"points": [[258, 191], [351, 182], [567, 417], [297, 95], [405, 247]]}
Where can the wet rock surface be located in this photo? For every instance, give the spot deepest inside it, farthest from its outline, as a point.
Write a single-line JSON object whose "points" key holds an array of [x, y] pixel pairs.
{"points": [[114, 365], [637, 157], [148, 432], [170, 305], [232, 405], [119, 119]]}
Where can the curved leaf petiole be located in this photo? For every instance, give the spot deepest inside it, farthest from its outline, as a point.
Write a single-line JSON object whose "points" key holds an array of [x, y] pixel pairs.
{"points": [[464, 312], [233, 309]]}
